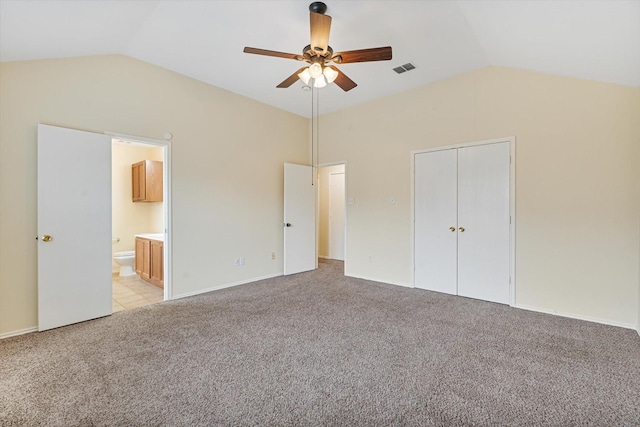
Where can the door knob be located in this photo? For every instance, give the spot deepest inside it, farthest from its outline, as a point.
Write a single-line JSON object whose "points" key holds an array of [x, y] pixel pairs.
{"points": [[46, 238], [288, 224], [461, 229], [452, 229]]}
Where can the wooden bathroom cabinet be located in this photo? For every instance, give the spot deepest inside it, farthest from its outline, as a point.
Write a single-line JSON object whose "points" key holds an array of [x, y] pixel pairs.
{"points": [[146, 177], [150, 260]]}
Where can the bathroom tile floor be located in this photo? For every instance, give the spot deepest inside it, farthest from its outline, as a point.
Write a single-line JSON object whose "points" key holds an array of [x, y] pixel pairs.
{"points": [[132, 292]]}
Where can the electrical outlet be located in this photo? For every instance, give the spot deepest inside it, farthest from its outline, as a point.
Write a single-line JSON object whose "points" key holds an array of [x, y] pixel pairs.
{"points": [[273, 255], [370, 258]]}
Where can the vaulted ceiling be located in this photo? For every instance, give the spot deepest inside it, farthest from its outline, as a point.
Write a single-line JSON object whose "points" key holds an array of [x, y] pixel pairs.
{"points": [[591, 39]]}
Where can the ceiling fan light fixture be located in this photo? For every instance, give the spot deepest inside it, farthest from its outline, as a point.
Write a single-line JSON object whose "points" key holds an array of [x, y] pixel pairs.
{"points": [[330, 74], [318, 53], [305, 76]]}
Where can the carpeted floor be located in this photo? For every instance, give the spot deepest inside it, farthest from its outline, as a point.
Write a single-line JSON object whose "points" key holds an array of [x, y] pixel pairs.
{"points": [[318, 349]]}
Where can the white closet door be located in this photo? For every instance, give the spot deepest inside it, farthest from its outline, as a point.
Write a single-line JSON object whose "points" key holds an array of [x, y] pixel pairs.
{"points": [[435, 214], [483, 214]]}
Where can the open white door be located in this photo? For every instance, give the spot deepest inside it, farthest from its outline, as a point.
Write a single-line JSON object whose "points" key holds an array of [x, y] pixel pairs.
{"points": [[299, 219], [74, 226]]}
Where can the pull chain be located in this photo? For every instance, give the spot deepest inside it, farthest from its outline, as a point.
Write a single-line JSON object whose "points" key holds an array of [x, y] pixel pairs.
{"points": [[315, 129]]}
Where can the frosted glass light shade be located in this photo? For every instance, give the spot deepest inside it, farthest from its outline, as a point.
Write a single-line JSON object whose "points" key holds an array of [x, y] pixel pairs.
{"points": [[315, 70], [319, 82], [330, 74], [305, 76]]}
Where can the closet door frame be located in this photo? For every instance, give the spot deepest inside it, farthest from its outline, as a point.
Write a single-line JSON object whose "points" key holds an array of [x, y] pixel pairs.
{"points": [[512, 204]]}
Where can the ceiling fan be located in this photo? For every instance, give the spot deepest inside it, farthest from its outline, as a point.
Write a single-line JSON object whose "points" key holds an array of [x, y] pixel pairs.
{"points": [[319, 54]]}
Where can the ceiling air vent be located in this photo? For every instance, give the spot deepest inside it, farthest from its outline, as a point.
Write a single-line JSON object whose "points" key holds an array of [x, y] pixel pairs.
{"points": [[406, 67]]}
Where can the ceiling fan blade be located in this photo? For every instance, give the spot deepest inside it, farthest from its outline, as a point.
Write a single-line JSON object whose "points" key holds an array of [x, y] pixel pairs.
{"points": [[363, 55], [320, 28], [272, 53], [291, 79], [345, 83]]}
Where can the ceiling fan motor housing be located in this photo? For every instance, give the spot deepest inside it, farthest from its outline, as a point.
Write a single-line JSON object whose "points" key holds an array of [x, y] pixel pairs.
{"points": [[310, 55]]}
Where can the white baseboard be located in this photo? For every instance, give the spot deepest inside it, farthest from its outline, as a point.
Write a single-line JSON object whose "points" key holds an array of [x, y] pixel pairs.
{"points": [[20, 332], [189, 294], [524, 307], [578, 317], [374, 279], [226, 285], [323, 257]]}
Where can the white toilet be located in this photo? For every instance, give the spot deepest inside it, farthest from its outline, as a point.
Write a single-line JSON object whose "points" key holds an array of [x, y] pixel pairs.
{"points": [[126, 261]]}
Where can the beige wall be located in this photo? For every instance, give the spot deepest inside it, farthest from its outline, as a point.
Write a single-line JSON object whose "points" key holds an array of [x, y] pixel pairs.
{"points": [[577, 175], [226, 176], [577, 178], [323, 207], [129, 218]]}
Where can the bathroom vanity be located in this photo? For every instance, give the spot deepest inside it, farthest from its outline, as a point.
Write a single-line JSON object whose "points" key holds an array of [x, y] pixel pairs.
{"points": [[150, 258]]}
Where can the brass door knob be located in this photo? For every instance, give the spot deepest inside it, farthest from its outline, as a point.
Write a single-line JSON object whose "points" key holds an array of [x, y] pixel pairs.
{"points": [[46, 238], [452, 229], [461, 229]]}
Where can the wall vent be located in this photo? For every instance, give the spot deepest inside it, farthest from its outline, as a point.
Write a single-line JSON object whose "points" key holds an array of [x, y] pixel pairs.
{"points": [[404, 68]]}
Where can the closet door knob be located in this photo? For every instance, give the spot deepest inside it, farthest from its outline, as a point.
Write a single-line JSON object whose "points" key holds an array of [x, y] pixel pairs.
{"points": [[452, 229], [461, 229]]}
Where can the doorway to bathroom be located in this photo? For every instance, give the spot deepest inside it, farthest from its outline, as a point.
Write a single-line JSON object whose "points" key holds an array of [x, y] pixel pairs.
{"points": [[75, 217], [139, 222]]}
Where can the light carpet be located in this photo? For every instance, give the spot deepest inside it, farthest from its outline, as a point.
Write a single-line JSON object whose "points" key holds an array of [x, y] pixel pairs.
{"points": [[317, 349]]}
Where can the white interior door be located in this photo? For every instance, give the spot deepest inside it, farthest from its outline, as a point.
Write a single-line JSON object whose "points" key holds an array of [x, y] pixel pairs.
{"points": [[74, 209], [299, 219], [336, 216], [435, 207], [483, 214]]}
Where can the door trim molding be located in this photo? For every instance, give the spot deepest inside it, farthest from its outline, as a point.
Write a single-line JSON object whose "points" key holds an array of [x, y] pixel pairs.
{"points": [[166, 197], [512, 205]]}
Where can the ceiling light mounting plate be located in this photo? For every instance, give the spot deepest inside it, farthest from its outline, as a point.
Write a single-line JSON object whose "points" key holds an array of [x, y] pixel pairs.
{"points": [[318, 7]]}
